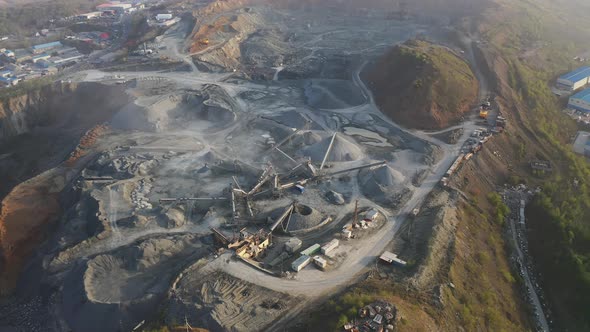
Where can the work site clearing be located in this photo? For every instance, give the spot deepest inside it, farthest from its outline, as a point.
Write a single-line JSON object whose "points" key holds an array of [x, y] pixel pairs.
{"points": [[231, 204]]}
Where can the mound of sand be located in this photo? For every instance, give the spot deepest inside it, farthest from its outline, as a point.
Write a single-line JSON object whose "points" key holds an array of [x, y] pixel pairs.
{"points": [[343, 149]]}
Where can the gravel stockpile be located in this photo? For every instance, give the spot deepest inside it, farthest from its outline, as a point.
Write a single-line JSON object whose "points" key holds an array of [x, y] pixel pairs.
{"points": [[383, 184], [343, 149]]}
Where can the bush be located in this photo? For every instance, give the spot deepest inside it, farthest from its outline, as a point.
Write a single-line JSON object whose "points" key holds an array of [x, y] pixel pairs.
{"points": [[501, 210]]}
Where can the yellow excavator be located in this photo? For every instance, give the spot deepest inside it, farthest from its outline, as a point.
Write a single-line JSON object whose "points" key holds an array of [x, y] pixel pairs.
{"points": [[483, 113]]}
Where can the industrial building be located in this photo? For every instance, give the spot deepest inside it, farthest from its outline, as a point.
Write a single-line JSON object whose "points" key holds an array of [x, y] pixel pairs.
{"points": [[293, 245], [118, 8], [328, 247], [9, 81], [580, 101], [42, 56], [163, 17], [8, 53], [311, 250], [582, 143], [300, 263], [391, 258], [42, 48], [89, 16], [574, 80], [320, 262]]}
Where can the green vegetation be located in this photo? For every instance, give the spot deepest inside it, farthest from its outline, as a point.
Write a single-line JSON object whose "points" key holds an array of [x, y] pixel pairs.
{"points": [[26, 86], [345, 308], [560, 215], [501, 210], [24, 19]]}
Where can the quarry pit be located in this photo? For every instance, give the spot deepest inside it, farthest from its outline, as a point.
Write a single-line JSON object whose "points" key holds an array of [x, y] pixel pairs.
{"points": [[205, 175]]}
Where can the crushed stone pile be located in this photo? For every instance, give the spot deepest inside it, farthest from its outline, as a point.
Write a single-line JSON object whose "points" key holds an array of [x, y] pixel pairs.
{"points": [[343, 149], [174, 218], [303, 217], [335, 198], [136, 271], [310, 138], [383, 184]]}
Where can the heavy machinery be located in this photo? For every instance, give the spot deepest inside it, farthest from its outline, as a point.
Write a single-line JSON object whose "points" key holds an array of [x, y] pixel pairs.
{"points": [[483, 113]]}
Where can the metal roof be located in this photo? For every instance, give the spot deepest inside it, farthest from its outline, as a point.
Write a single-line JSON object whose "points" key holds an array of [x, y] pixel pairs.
{"points": [[47, 45], [582, 95], [388, 256], [577, 75]]}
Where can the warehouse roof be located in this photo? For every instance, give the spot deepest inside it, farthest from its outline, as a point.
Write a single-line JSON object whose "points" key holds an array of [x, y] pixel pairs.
{"points": [[47, 45], [576, 75], [583, 95]]}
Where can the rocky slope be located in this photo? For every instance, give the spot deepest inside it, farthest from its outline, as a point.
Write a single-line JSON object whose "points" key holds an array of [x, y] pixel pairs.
{"points": [[38, 131], [431, 86], [40, 128]]}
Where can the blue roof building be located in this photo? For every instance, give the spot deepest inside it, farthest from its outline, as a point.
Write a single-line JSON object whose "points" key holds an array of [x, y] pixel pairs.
{"points": [[580, 101], [575, 79], [9, 80], [45, 47]]}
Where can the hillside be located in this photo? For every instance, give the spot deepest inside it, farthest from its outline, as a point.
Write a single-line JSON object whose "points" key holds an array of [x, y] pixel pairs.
{"points": [[432, 88], [25, 16]]}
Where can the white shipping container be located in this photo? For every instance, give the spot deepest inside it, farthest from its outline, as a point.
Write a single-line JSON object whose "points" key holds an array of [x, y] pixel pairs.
{"points": [[300, 263], [330, 246]]}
